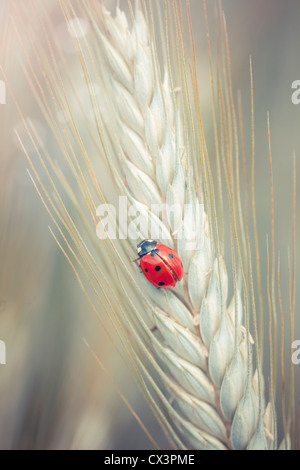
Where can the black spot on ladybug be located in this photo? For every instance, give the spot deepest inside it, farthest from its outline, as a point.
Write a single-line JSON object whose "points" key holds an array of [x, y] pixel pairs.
{"points": [[153, 252], [146, 270], [171, 256], [161, 283], [157, 268]]}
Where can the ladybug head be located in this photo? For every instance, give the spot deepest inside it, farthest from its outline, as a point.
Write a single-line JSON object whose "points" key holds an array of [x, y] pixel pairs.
{"points": [[145, 247]]}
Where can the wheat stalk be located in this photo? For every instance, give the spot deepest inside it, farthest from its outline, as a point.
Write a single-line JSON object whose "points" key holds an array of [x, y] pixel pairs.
{"points": [[149, 130], [202, 342]]}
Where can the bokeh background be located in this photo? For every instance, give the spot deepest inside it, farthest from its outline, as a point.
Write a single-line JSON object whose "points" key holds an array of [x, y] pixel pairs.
{"points": [[53, 393]]}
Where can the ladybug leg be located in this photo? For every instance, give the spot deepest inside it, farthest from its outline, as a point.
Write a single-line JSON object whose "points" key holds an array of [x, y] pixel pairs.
{"points": [[135, 260], [171, 400]]}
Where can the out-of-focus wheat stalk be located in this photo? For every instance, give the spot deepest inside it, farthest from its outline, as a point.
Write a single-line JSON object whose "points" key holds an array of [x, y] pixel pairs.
{"points": [[45, 403], [199, 369]]}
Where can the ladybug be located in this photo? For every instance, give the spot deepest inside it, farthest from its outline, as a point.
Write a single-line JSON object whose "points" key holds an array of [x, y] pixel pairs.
{"points": [[160, 264]]}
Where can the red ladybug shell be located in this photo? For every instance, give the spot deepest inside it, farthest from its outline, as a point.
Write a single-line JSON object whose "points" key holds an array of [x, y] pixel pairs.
{"points": [[162, 266]]}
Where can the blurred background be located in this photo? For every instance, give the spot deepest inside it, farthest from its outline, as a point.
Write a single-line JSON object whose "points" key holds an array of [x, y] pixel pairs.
{"points": [[53, 393]]}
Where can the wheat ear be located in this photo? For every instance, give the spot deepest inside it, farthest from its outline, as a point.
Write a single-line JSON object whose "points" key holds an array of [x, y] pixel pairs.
{"points": [[201, 341], [150, 135]]}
